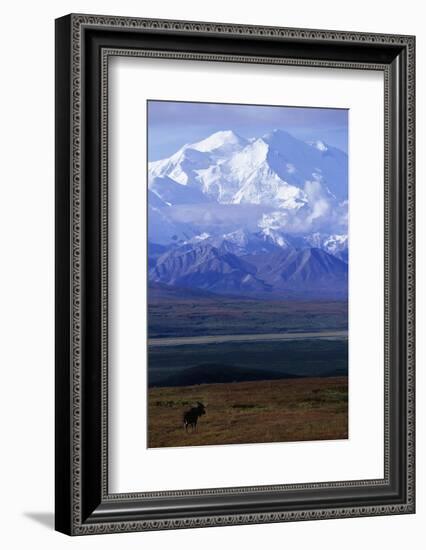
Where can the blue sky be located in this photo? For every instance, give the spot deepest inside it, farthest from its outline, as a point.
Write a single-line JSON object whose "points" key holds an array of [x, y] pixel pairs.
{"points": [[172, 124]]}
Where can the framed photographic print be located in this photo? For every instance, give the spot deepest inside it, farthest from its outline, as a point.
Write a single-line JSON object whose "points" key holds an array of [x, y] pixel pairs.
{"points": [[247, 275], [234, 274]]}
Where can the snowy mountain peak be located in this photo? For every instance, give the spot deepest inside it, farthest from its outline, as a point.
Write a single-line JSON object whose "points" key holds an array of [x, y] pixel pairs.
{"points": [[238, 237], [336, 245], [222, 139], [279, 183]]}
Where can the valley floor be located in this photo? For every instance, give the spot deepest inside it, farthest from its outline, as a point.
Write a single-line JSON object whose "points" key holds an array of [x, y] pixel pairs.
{"points": [[251, 412], [177, 313]]}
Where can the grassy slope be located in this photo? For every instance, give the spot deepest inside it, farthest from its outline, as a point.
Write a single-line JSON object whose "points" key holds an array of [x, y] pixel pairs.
{"points": [[251, 412]]}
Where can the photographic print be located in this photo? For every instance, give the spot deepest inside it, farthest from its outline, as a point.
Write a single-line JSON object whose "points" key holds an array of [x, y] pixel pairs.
{"points": [[247, 273]]}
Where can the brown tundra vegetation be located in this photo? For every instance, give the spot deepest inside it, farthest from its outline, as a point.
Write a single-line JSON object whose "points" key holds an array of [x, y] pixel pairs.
{"points": [[305, 409]]}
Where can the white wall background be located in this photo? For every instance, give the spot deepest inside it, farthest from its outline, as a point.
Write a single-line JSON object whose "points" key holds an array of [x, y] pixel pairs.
{"points": [[26, 289]]}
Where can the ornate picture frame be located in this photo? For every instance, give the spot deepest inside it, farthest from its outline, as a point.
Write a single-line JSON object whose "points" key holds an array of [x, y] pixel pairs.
{"points": [[84, 45]]}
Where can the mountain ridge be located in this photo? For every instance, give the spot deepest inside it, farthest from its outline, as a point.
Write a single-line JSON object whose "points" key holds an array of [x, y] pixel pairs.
{"points": [[215, 269]]}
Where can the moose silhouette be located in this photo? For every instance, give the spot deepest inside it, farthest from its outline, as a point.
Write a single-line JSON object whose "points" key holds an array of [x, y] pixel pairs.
{"points": [[190, 417]]}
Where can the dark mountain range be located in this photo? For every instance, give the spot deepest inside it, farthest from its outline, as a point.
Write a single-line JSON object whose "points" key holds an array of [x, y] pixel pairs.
{"points": [[226, 269], [206, 267], [310, 268]]}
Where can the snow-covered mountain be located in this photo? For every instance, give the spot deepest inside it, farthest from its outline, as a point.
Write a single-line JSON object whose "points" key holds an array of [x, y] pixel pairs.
{"points": [[271, 170], [221, 209], [274, 183]]}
